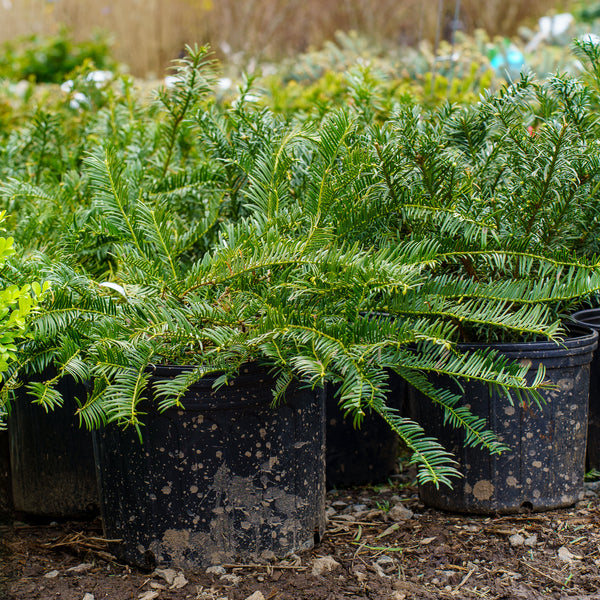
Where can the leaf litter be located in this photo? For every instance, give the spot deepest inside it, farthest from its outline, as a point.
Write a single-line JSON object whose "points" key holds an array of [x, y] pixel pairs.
{"points": [[366, 554]]}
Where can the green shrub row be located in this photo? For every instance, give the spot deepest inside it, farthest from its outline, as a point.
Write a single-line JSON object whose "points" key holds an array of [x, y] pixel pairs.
{"points": [[331, 247]]}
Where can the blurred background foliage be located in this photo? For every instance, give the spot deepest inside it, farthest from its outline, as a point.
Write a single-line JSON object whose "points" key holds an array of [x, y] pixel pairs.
{"points": [[148, 34], [298, 58]]}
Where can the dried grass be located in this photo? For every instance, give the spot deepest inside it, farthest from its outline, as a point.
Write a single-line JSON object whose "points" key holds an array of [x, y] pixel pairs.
{"points": [[150, 33]]}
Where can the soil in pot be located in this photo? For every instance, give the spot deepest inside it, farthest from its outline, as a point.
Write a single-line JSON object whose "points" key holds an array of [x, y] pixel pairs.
{"points": [[365, 455], [544, 467], [230, 478], [52, 459], [591, 318]]}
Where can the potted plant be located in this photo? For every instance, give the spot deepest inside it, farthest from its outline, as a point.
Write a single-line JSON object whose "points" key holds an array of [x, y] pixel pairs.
{"points": [[53, 466], [281, 290], [506, 186], [290, 285], [589, 53]]}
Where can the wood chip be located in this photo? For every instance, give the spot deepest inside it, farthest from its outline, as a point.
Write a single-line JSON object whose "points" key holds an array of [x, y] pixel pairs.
{"points": [[545, 575], [51, 574], [463, 581], [178, 582], [167, 574], [566, 555], [324, 565], [82, 568], [389, 530]]}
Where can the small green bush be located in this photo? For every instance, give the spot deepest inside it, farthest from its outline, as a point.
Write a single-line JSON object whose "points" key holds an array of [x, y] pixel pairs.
{"points": [[16, 306], [50, 59]]}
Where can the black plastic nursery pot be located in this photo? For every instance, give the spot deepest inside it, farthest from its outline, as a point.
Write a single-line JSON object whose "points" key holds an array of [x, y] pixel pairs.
{"points": [[228, 479], [544, 467], [52, 459], [364, 455], [591, 318]]}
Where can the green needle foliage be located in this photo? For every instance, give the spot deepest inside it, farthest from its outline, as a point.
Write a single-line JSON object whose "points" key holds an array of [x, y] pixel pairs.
{"points": [[332, 252]]}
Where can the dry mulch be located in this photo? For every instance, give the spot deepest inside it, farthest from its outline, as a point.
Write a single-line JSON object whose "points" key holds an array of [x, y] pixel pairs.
{"points": [[381, 544]]}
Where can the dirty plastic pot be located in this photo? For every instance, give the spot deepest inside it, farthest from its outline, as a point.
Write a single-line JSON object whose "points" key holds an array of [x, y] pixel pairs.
{"points": [[591, 318], [365, 455], [544, 468], [52, 459], [228, 479]]}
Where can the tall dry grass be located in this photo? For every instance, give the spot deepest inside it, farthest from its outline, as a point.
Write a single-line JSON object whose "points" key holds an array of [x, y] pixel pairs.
{"points": [[148, 34]]}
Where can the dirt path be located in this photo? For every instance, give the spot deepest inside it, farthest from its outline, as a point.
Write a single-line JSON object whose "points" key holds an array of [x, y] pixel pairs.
{"points": [[381, 544]]}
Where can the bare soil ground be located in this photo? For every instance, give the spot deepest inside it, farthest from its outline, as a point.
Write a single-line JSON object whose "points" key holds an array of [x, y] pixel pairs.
{"points": [[381, 544]]}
